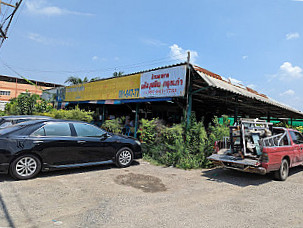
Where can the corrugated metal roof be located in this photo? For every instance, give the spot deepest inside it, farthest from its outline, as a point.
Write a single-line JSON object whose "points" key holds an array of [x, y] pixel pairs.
{"points": [[138, 72], [216, 81]]}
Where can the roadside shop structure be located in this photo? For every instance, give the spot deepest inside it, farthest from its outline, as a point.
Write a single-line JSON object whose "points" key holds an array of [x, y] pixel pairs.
{"points": [[172, 93]]}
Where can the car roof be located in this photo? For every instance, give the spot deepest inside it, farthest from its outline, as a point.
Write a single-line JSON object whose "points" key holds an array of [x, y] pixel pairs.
{"points": [[25, 117], [31, 122]]}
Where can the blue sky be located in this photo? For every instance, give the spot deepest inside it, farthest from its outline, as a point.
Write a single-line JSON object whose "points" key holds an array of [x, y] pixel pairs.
{"points": [[257, 42]]}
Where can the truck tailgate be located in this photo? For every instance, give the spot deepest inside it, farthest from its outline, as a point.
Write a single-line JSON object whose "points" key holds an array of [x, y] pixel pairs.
{"points": [[231, 162], [232, 159]]}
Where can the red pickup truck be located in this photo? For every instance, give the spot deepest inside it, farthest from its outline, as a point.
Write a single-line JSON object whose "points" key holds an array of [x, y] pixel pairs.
{"points": [[258, 147]]}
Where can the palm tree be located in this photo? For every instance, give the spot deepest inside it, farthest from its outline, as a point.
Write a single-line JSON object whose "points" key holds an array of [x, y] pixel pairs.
{"points": [[76, 80], [94, 79], [118, 74]]}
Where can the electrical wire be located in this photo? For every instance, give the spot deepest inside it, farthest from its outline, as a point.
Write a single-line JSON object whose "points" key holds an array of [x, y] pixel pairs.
{"points": [[130, 66], [115, 68]]}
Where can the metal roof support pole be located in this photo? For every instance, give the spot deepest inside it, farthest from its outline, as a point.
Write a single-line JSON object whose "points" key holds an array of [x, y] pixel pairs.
{"points": [[189, 94], [56, 101], [103, 114], [268, 117], [291, 121], [236, 111], [189, 105], [136, 120]]}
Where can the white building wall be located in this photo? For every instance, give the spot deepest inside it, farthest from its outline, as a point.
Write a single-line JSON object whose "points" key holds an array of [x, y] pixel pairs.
{"points": [[2, 105]]}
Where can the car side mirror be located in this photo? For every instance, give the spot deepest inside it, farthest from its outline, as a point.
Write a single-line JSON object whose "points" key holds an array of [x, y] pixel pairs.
{"points": [[104, 136]]}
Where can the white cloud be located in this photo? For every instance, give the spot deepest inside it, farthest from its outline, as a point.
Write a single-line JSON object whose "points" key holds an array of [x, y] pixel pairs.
{"points": [[289, 92], [178, 53], [153, 42], [291, 36], [41, 7], [244, 57], [97, 58], [47, 40], [289, 72]]}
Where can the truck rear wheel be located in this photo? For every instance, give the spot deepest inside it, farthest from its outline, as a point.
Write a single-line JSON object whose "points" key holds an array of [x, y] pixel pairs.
{"points": [[282, 173]]}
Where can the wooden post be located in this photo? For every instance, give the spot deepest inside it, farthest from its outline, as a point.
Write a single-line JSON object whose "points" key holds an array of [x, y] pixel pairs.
{"points": [[136, 120]]}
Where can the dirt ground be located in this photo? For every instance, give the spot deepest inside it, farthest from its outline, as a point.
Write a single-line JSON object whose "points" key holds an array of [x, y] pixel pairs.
{"points": [[144, 195]]}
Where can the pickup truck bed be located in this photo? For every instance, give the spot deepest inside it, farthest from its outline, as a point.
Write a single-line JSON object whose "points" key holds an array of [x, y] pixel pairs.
{"points": [[231, 162]]}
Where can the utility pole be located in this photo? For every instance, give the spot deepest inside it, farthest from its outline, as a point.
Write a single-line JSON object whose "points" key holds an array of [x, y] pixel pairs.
{"points": [[6, 20]]}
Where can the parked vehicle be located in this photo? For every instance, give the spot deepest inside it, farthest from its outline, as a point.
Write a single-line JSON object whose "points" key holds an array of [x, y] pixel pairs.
{"points": [[256, 146], [41, 145], [6, 121]]}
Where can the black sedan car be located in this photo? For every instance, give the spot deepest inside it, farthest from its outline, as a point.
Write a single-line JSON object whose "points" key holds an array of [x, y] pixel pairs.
{"points": [[6, 121], [41, 145]]}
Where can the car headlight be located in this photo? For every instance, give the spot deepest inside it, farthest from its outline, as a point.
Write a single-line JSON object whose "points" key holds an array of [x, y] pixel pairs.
{"points": [[138, 142]]}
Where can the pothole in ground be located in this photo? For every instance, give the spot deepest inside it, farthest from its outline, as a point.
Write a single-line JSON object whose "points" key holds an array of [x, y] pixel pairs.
{"points": [[146, 183]]}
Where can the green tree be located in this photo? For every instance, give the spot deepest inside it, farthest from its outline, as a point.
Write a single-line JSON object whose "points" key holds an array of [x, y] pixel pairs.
{"points": [[94, 79], [76, 80], [27, 104], [118, 74]]}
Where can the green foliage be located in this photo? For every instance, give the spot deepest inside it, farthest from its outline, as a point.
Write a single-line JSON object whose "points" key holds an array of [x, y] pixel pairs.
{"points": [[178, 147], [27, 104], [76, 80], [73, 114], [118, 74], [2, 113], [282, 124], [300, 128], [286, 125], [115, 125]]}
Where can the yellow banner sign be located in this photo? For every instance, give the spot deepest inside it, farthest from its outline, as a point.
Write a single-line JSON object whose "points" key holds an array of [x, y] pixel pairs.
{"points": [[115, 88]]}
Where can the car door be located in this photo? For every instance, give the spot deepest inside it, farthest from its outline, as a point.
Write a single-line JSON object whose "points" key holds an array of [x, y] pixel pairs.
{"points": [[93, 143], [297, 140], [55, 144]]}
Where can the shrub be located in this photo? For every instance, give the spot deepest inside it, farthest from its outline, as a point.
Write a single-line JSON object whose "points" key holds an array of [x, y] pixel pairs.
{"points": [[73, 114], [178, 147], [115, 125], [27, 104], [300, 128]]}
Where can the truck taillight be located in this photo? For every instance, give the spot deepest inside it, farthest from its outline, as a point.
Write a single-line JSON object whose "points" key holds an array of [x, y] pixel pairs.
{"points": [[265, 158]]}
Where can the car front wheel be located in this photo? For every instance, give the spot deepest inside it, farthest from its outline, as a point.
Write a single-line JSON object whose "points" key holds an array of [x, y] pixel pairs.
{"points": [[124, 157], [25, 167]]}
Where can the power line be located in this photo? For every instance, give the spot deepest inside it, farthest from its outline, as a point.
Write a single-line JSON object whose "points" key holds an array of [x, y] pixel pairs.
{"points": [[115, 68]]}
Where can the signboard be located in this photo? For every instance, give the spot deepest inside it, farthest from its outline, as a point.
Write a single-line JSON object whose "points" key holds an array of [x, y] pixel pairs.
{"points": [[116, 88], [168, 82]]}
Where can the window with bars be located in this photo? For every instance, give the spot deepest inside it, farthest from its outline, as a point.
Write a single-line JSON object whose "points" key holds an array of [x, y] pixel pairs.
{"points": [[5, 93]]}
